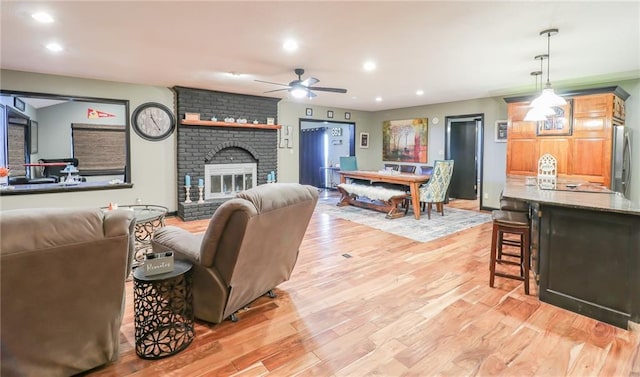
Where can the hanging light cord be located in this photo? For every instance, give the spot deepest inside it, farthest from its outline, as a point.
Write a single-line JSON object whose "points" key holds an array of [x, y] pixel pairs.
{"points": [[548, 58], [548, 32]]}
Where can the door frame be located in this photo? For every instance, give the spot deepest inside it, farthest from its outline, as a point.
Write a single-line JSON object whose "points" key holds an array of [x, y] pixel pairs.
{"points": [[326, 124], [479, 119]]}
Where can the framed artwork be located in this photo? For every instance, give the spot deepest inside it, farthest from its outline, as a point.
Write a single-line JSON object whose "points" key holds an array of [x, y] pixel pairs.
{"points": [[364, 140], [347, 115], [329, 114], [33, 133], [309, 112], [18, 103], [559, 123], [501, 131], [405, 140]]}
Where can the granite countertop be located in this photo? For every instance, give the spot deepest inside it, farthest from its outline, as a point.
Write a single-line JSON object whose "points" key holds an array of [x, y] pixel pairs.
{"points": [[571, 194]]}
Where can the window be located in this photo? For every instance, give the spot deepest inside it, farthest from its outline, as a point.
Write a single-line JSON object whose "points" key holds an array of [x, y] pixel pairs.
{"points": [[100, 149]]}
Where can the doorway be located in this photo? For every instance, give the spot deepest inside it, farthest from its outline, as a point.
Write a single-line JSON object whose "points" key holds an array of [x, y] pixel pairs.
{"points": [[463, 144], [321, 145]]}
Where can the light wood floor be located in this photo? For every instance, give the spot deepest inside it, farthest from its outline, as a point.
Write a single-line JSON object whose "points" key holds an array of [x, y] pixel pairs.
{"points": [[396, 307]]}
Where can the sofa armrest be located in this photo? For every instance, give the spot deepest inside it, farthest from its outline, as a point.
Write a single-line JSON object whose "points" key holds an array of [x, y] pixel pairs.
{"points": [[114, 226], [183, 243]]}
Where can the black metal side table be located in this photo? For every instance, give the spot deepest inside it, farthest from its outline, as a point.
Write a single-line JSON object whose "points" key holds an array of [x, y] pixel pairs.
{"points": [[163, 310]]}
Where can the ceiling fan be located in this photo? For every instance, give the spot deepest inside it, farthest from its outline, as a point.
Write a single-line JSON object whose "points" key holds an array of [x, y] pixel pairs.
{"points": [[303, 88]]}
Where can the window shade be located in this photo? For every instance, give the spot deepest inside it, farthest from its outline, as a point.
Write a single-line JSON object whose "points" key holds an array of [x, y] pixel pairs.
{"points": [[17, 149], [99, 147]]}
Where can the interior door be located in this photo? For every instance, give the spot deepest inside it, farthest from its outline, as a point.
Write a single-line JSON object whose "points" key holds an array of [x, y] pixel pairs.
{"points": [[461, 147]]}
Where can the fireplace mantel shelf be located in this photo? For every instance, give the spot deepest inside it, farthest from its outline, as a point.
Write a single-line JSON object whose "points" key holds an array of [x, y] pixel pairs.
{"points": [[210, 123]]}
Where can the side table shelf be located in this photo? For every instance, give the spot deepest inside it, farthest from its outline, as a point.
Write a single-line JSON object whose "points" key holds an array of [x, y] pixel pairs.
{"points": [[163, 311]]}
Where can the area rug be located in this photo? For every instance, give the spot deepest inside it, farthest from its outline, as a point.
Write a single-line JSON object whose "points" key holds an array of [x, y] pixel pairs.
{"points": [[423, 230]]}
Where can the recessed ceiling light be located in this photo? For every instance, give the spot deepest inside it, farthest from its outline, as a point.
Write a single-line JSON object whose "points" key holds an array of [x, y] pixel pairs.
{"points": [[235, 75], [290, 45], [54, 47], [378, 99], [369, 66], [42, 17], [419, 92]]}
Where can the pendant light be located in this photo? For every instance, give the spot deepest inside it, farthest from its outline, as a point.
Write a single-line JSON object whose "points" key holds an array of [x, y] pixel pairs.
{"points": [[548, 98], [536, 114]]}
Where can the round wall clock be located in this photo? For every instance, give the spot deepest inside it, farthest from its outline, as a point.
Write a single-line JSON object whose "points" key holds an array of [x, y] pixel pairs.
{"points": [[153, 121]]}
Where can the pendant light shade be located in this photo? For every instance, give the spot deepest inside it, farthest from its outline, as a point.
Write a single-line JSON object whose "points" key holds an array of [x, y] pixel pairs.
{"points": [[540, 113], [536, 114], [548, 98]]}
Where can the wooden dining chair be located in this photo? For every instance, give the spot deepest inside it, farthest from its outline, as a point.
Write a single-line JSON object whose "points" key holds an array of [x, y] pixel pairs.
{"points": [[395, 167]]}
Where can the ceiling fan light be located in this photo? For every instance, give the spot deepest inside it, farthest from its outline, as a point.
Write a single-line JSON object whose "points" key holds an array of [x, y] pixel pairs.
{"points": [[536, 114], [548, 98], [298, 92]]}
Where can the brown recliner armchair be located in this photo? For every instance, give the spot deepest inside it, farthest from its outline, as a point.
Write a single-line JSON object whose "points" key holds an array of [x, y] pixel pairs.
{"points": [[62, 288], [250, 246]]}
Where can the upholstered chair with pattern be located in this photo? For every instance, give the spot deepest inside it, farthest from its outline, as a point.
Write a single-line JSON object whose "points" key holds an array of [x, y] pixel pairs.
{"points": [[435, 190]]}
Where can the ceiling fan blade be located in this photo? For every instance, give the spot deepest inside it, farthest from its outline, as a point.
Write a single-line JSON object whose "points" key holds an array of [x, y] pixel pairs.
{"points": [[270, 82], [276, 90], [333, 90], [310, 81]]}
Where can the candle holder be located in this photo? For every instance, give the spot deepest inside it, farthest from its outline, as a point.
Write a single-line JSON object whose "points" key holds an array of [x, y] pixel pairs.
{"points": [[188, 193], [201, 199]]}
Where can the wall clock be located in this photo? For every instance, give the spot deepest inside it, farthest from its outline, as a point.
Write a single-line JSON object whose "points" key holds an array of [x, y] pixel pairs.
{"points": [[153, 121]]}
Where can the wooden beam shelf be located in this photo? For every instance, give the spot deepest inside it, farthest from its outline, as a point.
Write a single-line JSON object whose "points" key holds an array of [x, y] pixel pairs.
{"points": [[210, 123]]}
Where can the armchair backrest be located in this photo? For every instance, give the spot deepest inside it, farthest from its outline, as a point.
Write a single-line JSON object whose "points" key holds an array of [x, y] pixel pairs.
{"points": [[62, 288], [436, 189], [253, 240], [348, 163], [411, 169]]}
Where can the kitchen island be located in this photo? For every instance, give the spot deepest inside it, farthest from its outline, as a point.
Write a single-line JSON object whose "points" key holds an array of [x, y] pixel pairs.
{"points": [[586, 249]]}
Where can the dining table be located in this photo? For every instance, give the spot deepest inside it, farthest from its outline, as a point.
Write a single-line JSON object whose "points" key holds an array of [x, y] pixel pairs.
{"points": [[413, 181]]}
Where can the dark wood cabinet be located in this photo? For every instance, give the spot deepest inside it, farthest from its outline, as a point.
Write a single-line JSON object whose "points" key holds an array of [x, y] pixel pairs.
{"points": [[590, 262]]}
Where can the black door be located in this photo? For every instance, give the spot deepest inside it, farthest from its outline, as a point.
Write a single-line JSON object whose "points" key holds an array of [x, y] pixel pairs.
{"points": [[462, 149]]}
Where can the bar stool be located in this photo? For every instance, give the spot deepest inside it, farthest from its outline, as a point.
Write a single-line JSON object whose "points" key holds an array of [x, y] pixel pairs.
{"points": [[508, 204], [516, 223], [513, 205]]}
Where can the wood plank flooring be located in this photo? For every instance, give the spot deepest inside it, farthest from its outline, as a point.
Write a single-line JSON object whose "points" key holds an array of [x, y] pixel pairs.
{"points": [[395, 307]]}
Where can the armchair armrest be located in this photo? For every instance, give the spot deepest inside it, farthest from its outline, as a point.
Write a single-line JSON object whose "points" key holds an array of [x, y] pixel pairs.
{"points": [[183, 243]]}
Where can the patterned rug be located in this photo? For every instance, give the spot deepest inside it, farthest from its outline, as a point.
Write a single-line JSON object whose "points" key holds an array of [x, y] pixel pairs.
{"points": [[423, 230]]}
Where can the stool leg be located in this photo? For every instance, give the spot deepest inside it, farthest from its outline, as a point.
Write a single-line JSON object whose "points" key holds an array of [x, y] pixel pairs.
{"points": [[492, 263], [527, 260], [500, 238]]}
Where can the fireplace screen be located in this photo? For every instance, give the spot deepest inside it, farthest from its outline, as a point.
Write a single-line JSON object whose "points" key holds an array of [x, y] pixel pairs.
{"points": [[225, 180]]}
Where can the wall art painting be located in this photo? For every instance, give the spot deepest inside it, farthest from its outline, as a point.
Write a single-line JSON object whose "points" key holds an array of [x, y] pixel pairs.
{"points": [[405, 140]]}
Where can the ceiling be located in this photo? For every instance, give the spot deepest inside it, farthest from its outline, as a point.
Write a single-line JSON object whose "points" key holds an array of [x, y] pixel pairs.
{"points": [[451, 50]]}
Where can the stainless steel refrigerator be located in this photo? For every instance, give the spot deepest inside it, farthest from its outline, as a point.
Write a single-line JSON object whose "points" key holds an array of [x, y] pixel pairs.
{"points": [[621, 160]]}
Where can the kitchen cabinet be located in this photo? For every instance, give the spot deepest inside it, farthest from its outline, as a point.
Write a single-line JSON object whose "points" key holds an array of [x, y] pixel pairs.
{"points": [[586, 153]]}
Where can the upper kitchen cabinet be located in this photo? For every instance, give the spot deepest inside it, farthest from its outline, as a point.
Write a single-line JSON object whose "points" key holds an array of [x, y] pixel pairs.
{"points": [[583, 147]]}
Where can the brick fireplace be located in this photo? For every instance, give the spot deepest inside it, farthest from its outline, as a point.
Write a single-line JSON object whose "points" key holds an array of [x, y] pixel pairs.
{"points": [[236, 145]]}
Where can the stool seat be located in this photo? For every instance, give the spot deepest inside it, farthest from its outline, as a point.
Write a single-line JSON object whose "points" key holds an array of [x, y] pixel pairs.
{"points": [[510, 218], [513, 205]]}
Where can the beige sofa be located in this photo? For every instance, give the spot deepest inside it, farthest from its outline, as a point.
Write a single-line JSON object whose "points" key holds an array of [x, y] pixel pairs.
{"points": [[62, 294], [250, 246]]}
